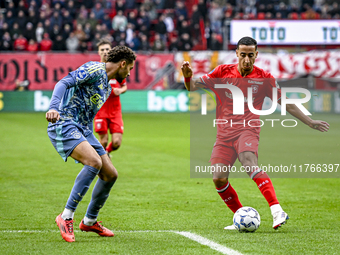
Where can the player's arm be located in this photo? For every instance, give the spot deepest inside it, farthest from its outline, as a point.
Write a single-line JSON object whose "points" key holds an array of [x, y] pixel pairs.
{"points": [[59, 90], [320, 125], [121, 90], [190, 85]]}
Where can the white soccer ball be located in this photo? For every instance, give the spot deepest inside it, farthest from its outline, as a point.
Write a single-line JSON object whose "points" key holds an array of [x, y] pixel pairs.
{"points": [[246, 219]]}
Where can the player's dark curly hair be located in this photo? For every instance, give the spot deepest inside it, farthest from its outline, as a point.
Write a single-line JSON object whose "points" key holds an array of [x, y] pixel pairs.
{"points": [[119, 53], [247, 41]]}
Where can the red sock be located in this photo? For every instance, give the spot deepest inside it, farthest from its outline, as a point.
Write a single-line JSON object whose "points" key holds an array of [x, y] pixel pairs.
{"points": [[265, 185], [229, 196], [109, 147]]}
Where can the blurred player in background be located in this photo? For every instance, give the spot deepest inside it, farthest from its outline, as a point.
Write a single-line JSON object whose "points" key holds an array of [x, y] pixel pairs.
{"points": [[110, 115], [75, 101], [240, 141]]}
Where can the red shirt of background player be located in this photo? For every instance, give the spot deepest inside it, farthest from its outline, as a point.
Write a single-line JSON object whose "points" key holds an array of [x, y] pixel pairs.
{"points": [[261, 83], [112, 107]]}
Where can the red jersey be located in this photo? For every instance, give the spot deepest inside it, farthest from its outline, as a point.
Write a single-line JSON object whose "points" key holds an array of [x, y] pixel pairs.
{"points": [[112, 107], [261, 83]]}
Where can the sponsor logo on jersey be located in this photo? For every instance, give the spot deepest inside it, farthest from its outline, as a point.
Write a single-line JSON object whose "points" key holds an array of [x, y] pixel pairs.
{"points": [[255, 82], [97, 100]]}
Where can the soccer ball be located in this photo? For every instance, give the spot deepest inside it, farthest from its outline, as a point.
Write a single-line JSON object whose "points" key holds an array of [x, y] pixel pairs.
{"points": [[246, 219]]}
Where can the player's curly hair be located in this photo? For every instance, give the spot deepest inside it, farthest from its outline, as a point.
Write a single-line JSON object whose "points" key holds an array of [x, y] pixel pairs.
{"points": [[119, 53]]}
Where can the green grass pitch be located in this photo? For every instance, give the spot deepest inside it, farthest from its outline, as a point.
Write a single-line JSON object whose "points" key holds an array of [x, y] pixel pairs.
{"points": [[155, 193]]}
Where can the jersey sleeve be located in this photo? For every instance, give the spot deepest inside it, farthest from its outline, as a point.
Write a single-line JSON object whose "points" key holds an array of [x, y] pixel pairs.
{"points": [[208, 79], [272, 83], [59, 91]]}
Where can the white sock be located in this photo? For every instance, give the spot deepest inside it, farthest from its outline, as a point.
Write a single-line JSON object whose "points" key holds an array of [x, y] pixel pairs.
{"points": [[89, 222], [67, 214], [275, 208]]}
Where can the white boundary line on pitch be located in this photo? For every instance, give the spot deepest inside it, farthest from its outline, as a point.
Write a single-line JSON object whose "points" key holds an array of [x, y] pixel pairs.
{"points": [[197, 238]]}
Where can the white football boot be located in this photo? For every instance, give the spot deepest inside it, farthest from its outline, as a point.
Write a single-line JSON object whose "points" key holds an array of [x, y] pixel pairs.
{"points": [[279, 218]]}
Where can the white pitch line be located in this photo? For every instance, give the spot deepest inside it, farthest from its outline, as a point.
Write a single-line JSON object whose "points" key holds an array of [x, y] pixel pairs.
{"points": [[209, 243], [197, 238]]}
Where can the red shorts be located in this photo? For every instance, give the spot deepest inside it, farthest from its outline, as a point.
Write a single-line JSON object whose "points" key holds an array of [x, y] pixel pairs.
{"points": [[115, 125], [226, 152]]}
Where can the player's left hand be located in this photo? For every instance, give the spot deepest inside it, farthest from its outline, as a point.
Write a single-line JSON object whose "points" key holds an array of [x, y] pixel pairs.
{"points": [[320, 125]]}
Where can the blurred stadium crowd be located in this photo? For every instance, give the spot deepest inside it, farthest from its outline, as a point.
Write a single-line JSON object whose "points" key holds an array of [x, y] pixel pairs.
{"points": [[143, 25]]}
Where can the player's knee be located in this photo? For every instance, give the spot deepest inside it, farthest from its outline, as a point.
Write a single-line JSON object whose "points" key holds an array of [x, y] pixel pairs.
{"points": [[116, 144], [111, 176], [96, 163], [248, 159], [219, 182], [103, 143]]}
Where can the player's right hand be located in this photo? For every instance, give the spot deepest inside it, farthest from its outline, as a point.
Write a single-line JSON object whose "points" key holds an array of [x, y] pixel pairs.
{"points": [[186, 69], [52, 116]]}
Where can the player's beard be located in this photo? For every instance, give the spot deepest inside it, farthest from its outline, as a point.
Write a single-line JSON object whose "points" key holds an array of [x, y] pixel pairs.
{"points": [[120, 79]]}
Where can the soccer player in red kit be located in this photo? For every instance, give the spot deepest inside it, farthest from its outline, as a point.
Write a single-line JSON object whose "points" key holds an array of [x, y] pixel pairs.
{"points": [[241, 141], [109, 116]]}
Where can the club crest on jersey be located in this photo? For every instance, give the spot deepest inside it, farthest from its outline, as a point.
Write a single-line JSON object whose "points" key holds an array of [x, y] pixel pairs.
{"points": [[255, 88], [81, 75]]}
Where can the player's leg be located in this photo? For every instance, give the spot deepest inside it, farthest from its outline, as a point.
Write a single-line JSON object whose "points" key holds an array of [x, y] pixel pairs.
{"points": [[223, 186], [222, 158], [247, 147], [116, 128], [101, 128], [116, 142], [107, 177], [92, 162], [68, 140], [103, 139]]}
